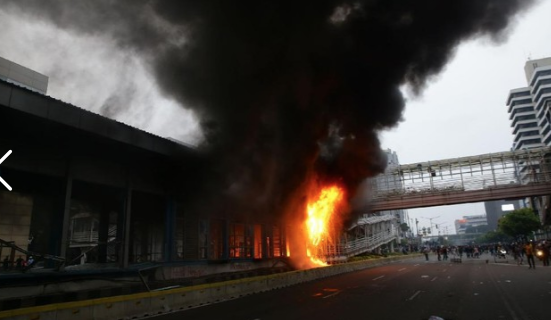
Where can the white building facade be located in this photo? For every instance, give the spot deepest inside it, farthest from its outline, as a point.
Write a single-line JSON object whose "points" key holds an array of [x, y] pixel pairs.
{"points": [[530, 107], [529, 110], [462, 225]]}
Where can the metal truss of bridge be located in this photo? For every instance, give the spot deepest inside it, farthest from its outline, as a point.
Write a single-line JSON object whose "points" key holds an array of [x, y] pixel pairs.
{"points": [[368, 234], [495, 176]]}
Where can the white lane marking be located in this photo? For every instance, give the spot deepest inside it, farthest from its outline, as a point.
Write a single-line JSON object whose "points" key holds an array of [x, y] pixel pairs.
{"points": [[444, 270], [415, 265], [332, 294], [378, 278], [414, 295], [434, 279], [402, 269], [5, 156], [5, 184], [2, 180]]}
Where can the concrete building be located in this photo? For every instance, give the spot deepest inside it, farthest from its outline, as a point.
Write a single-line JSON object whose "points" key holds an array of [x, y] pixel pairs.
{"points": [[88, 189], [462, 225], [529, 110], [22, 76], [385, 182], [496, 209], [529, 107]]}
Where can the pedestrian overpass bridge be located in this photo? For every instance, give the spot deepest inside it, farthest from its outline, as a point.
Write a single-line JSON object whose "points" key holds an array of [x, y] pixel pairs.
{"points": [[494, 176]]}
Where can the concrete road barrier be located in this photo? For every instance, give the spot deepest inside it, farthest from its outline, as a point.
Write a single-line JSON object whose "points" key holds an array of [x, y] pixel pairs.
{"points": [[141, 305]]}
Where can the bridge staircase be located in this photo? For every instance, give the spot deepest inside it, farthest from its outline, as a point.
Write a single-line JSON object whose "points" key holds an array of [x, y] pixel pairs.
{"points": [[366, 235]]}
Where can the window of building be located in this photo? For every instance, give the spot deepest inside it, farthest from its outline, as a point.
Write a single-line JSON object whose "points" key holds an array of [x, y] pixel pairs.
{"points": [[528, 142], [240, 241], [257, 241], [542, 92], [524, 126], [216, 245], [523, 101], [522, 118], [541, 83], [277, 242], [529, 133], [520, 94], [203, 239], [521, 110], [540, 74]]}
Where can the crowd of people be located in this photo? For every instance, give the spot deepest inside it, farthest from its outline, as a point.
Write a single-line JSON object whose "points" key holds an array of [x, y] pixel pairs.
{"points": [[18, 264], [530, 251], [522, 252], [443, 252]]}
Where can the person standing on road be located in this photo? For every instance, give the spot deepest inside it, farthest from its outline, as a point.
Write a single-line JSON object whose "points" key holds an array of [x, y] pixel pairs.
{"points": [[426, 252], [545, 253], [517, 253], [529, 251], [19, 263], [6, 263]]}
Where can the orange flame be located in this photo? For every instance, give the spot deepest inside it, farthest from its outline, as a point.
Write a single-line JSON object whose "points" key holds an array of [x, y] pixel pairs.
{"points": [[320, 213]]}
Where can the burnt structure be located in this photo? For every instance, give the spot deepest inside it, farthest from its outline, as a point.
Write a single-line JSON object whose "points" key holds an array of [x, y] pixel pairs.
{"points": [[94, 191]]}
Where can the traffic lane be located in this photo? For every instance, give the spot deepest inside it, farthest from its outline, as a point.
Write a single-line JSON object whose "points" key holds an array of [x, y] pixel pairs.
{"points": [[368, 292], [411, 290], [525, 293], [492, 291], [321, 299], [433, 288], [460, 293]]}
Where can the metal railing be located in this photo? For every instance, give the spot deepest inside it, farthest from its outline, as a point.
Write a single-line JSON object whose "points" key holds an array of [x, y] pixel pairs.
{"points": [[483, 172], [362, 245]]}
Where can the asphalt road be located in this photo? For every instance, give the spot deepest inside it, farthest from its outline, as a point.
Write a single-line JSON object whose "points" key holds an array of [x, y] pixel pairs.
{"points": [[414, 289]]}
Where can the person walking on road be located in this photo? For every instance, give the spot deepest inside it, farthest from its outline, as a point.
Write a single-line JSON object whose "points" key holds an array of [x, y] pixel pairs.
{"points": [[518, 254], [426, 252], [545, 253], [529, 251]]}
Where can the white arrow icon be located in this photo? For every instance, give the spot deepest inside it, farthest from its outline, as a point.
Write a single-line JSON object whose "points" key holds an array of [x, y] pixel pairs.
{"points": [[2, 180]]}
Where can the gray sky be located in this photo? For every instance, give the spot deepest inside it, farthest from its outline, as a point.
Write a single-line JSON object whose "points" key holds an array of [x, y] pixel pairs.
{"points": [[461, 113]]}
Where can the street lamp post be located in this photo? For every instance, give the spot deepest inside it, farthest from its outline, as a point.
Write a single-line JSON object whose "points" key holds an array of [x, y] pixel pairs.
{"points": [[430, 220]]}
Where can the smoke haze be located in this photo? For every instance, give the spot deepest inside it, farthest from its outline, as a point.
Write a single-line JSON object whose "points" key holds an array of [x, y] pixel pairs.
{"points": [[287, 93]]}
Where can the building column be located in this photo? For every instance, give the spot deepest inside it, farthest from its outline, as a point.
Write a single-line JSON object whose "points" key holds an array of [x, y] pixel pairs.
{"points": [[103, 235], [125, 238], [225, 239], [64, 243], [169, 230]]}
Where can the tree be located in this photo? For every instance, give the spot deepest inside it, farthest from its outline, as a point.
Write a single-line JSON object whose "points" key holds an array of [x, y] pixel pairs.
{"points": [[404, 227], [521, 222]]}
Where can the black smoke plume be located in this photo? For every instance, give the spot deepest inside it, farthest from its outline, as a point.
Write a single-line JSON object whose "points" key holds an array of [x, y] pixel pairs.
{"points": [[286, 90]]}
